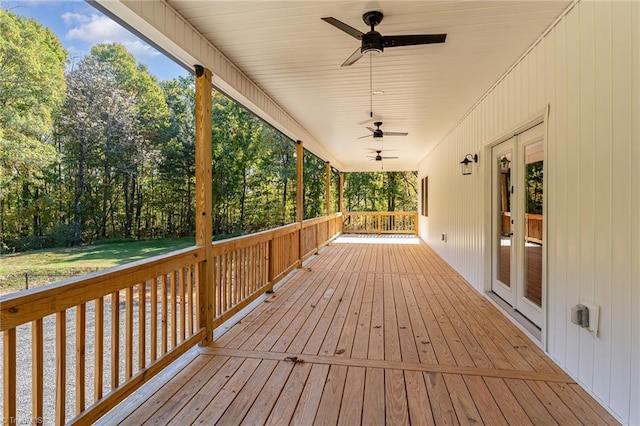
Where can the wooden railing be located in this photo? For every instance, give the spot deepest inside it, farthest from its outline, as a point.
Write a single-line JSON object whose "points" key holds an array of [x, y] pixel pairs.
{"points": [[119, 327], [380, 223], [140, 316], [532, 226], [246, 267]]}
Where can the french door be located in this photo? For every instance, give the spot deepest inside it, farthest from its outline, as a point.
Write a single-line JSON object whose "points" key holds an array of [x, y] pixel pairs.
{"points": [[517, 194]]}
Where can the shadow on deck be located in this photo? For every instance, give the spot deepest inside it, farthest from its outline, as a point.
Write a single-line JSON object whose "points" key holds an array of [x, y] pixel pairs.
{"points": [[367, 334]]}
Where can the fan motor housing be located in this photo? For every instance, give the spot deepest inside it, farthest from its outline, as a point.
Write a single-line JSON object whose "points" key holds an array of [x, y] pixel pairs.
{"points": [[372, 43]]}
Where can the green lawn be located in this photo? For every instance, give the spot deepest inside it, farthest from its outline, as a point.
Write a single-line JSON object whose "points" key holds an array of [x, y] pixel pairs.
{"points": [[50, 265]]}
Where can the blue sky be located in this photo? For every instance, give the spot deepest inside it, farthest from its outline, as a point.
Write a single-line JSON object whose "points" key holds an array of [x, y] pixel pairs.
{"points": [[79, 26]]}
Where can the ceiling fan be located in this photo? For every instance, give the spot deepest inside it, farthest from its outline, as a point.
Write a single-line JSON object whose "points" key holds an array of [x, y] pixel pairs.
{"points": [[373, 41], [377, 133], [379, 157]]}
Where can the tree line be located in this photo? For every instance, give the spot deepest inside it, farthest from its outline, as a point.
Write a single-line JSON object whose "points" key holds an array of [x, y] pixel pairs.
{"points": [[103, 150]]}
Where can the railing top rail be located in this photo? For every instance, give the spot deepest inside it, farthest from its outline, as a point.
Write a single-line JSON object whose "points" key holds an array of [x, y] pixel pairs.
{"points": [[380, 213], [32, 304]]}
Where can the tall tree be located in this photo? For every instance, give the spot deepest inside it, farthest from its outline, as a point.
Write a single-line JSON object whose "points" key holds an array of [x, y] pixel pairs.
{"points": [[152, 114], [96, 129], [31, 88]]}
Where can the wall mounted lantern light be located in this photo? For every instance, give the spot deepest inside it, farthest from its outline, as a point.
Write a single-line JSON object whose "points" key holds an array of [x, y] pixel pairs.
{"points": [[505, 165], [465, 164]]}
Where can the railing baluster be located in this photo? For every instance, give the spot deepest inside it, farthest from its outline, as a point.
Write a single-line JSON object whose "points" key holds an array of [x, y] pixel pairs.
{"points": [[236, 276], [154, 320], [81, 321], [174, 313], [142, 322], [99, 349], [115, 339], [197, 284], [128, 312], [9, 382], [189, 282], [181, 292], [61, 367], [225, 287], [164, 315], [37, 383]]}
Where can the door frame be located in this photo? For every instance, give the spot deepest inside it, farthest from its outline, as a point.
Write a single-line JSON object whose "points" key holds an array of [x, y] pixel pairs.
{"points": [[540, 117]]}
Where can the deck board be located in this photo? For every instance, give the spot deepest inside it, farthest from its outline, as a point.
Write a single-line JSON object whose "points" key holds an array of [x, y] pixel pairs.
{"points": [[369, 334]]}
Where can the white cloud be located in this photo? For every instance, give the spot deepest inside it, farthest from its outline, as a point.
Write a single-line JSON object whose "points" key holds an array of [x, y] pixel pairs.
{"points": [[95, 29]]}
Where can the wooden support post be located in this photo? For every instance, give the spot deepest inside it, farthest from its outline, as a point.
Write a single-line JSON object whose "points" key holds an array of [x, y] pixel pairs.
{"points": [[341, 193], [204, 198], [328, 196], [300, 196]]}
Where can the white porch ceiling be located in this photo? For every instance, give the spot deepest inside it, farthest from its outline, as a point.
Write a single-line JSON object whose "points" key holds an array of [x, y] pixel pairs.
{"points": [[295, 58]]}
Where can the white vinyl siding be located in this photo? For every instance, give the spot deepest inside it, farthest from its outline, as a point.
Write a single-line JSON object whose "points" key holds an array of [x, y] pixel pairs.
{"points": [[587, 70]]}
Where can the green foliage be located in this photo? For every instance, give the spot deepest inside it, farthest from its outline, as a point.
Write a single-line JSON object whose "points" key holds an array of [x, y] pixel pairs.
{"points": [[118, 163], [254, 171], [381, 191], [31, 88], [315, 184], [533, 187]]}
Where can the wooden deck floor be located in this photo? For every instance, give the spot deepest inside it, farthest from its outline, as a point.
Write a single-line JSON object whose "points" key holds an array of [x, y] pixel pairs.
{"points": [[367, 334]]}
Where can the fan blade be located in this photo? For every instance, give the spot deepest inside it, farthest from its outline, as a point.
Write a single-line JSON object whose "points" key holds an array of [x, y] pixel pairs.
{"points": [[367, 136], [411, 40], [344, 27], [390, 158], [370, 129], [353, 58], [396, 133]]}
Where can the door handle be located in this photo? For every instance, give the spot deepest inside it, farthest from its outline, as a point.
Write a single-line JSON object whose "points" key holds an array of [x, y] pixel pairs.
{"points": [[510, 234]]}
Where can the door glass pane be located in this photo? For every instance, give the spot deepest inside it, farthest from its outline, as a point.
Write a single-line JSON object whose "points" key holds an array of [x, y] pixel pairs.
{"points": [[504, 221], [533, 189]]}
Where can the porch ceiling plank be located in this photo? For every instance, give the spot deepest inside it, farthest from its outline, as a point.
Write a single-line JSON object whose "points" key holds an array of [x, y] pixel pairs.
{"points": [[343, 341]]}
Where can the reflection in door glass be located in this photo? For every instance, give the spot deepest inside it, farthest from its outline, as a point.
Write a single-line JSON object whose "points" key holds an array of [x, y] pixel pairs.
{"points": [[504, 260], [533, 189]]}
